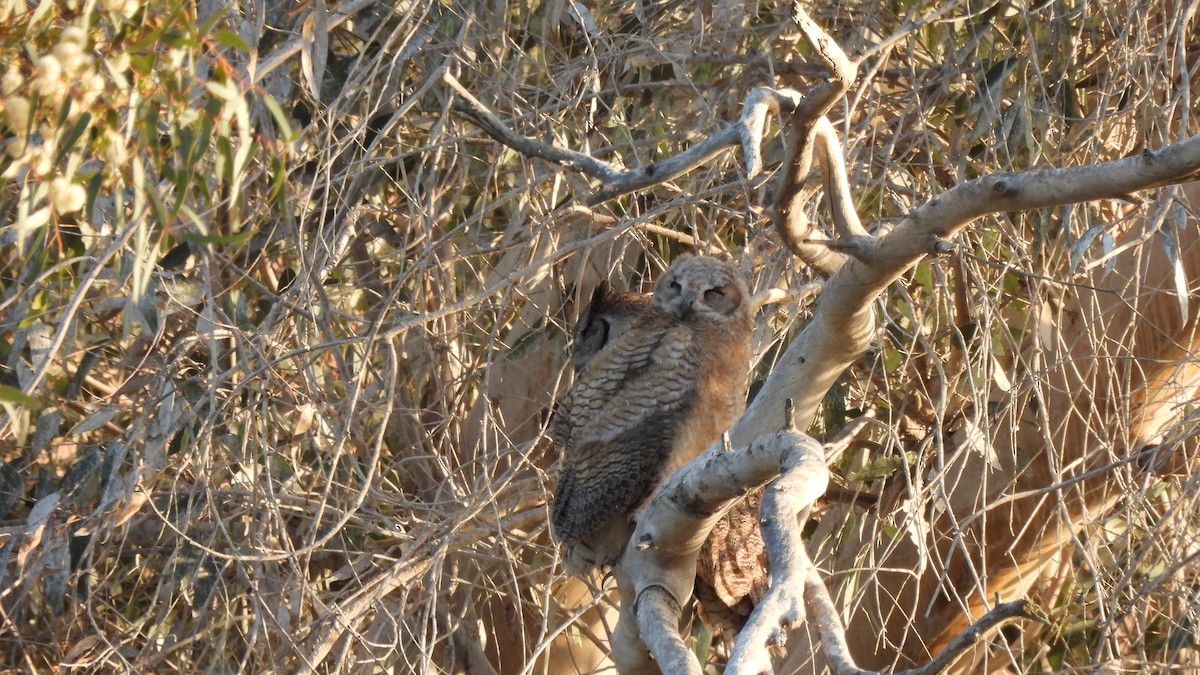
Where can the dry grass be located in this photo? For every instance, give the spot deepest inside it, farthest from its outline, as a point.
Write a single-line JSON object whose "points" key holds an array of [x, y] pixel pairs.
{"points": [[314, 439]]}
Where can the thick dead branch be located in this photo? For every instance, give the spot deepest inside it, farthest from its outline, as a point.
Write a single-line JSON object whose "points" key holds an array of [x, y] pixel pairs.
{"points": [[469, 107], [782, 296], [841, 68], [842, 326], [829, 624], [815, 248], [825, 616], [785, 500], [1023, 609], [761, 102], [615, 181], [655, 609], [662, 556], [747, 132], [810, 130]]}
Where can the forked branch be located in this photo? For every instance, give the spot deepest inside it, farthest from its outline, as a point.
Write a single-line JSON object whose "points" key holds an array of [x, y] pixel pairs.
{"points": [[747, 132], [660, 562]]}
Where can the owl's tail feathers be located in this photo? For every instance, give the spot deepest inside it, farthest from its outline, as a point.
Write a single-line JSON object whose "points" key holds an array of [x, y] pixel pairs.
{"points": [[601, 549]]}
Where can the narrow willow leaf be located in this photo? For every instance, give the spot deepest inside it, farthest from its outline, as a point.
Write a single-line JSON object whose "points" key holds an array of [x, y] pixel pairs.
{"points": [[97, 419], [228, 38], [67, 142], [285, 126], [316, 48], [10, 394], [1172, 224]]}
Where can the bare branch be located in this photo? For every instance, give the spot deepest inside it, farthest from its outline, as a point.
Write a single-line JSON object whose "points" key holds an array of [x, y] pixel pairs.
{"points": [[837, 184], [795, 192], [1023, 609], [655, 610], [837, 445], [828, 621], [747, 132], [842, 326], [829, 625], [841, 68], [662, 554], [803, 481], [658, 172], [760, 102], [786, 296], [470, 107]]}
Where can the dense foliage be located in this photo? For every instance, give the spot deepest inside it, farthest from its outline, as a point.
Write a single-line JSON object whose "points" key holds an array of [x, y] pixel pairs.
{"points": [[280, 334]]}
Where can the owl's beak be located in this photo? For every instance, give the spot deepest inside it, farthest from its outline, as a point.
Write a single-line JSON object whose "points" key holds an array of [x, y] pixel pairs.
{"points": [[687, 303]]}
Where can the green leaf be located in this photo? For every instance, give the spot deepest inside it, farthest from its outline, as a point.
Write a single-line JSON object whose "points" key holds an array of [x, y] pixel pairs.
{"points": [[235, 239], [880, 467], [281, 119], [68, 141], [9, 394], [156, 204], [228, 38], [212, 20]]}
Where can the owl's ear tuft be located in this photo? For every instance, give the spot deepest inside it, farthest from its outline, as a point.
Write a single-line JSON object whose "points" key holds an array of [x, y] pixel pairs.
{"points": [[601, 293]]}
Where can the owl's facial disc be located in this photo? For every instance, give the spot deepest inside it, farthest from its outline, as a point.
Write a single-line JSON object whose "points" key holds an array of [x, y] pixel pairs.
{"points": [[677, 299]]}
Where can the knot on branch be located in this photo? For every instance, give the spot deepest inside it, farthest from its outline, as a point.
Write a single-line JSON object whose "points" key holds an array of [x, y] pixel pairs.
{"points": [[1005, 189], [943, 247]]}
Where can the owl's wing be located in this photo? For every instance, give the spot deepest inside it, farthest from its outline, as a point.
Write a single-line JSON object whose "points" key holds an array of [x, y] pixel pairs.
{"points": [[623, 419], [649, 380], [610, 478]]}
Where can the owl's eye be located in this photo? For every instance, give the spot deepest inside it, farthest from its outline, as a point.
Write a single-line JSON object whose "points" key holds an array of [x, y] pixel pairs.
{"points": [[713, 296], [676, 287], [596, 331]]}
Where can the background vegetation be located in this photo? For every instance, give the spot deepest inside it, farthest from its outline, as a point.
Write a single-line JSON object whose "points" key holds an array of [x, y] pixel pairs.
{"points": [[280, 335]]}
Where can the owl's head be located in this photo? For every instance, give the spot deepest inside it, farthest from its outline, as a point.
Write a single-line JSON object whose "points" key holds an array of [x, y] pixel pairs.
{"points": [[609, 314], [701, 287]]}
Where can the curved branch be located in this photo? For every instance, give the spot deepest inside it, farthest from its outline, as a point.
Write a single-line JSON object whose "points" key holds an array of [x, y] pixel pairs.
{"points": [[661, 558], [469, 107], [785, 500], [837, 183], [810, 130], [656, 609], [842, 325], [747, 132]]}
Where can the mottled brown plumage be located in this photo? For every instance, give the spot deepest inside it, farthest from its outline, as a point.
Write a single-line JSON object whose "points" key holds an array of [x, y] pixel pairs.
{"points": [[649, 396], [731, 571], [609, 314]]}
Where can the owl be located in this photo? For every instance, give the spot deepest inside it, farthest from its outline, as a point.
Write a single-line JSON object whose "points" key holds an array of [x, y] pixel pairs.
{"points": [[658, 382]]}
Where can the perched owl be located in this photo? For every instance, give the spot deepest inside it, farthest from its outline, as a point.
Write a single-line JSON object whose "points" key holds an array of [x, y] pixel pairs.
{"points": [[655, 388]]}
